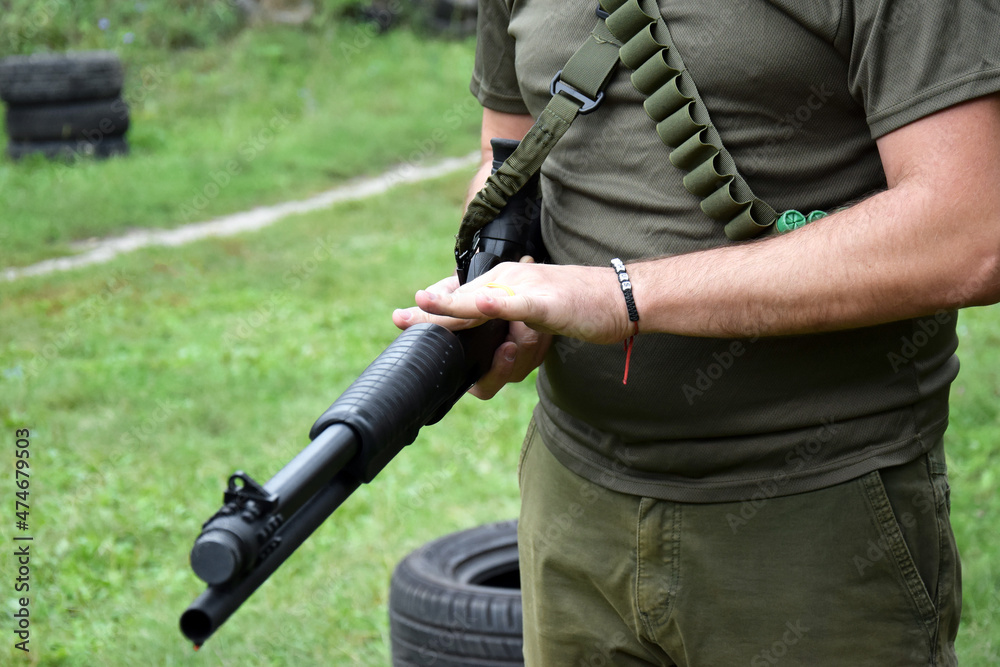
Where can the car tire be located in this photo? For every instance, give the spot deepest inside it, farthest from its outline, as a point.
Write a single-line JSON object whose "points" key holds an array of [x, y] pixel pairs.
{"points": [[61, 77], [70, 149], [456, 601], [91, 119]]}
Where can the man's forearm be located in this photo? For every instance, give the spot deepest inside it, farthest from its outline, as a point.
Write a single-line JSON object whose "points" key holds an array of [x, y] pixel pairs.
{"points": [[896, 255]]}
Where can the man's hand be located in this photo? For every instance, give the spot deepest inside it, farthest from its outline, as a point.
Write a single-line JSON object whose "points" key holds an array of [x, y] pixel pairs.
{"points": [[576, 301], [524, 349]]}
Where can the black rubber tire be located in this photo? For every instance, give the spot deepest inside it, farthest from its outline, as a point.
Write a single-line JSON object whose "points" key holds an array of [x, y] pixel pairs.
{"points": [[91, 119], [61, 77], [69, 150], [456, 18], [456, 601]]}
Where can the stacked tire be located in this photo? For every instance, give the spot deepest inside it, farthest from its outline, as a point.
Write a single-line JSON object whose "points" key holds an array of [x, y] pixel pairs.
{"points": [[455, 18], [65, 106]]}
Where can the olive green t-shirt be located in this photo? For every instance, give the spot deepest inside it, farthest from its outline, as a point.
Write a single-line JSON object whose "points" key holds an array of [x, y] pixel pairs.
{"points": [[799, 91]]}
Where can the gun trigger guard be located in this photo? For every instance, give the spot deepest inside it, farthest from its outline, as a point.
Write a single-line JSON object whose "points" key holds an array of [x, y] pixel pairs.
{"points": [[250, 490]]}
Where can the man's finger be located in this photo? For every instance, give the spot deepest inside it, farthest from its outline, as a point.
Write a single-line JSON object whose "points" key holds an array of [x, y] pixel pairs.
{"points": [[516, 308], [499, 374], [444, 286], [404, 318], [488, 302]]}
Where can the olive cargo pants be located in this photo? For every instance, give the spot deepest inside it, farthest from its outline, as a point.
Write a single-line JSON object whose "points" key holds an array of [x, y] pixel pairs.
{"points": [[864, 573]]}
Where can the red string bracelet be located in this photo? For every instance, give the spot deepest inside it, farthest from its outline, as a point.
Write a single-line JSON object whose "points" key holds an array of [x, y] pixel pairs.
{"points": [[633, 314]]}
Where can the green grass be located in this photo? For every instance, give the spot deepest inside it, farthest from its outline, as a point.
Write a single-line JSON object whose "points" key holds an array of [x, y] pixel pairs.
{"points": [[271, 115], [973, 442]]}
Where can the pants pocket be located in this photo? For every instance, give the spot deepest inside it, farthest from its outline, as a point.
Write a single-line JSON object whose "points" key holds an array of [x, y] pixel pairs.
{"points": [[925, 549], [911, 506]]}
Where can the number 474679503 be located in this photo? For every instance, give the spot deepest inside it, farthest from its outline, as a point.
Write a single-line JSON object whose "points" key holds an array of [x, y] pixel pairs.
{"points": [[22, 478]]}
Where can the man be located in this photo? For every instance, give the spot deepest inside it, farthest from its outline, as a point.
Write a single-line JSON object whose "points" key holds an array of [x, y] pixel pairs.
{"points": [[769, 486]]}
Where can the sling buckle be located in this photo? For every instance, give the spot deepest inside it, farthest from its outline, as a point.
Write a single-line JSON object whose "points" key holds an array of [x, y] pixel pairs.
{"points": [[560, 86]]}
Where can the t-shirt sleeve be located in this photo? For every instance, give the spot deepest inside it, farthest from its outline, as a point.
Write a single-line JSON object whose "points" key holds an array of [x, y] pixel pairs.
{"points": [[494, 78], [910, 58]]}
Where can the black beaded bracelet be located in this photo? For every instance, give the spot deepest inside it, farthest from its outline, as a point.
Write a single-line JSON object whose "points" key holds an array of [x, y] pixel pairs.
{"points": [[626, 285], [633, 314]]}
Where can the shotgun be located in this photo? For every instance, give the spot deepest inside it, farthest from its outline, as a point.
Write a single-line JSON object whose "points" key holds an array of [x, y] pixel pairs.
{"points": [[412, 383]]}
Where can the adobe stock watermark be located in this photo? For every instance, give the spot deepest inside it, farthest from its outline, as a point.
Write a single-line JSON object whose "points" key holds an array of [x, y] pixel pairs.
{"points": [[923, 502], [421, 150], [90, 308], [458, 628], [930, 326], [910, 346], [149, 427], [266, 312], [709, 37], [150, 77], [464, 620], [898, 15], [795, 459], [247, 152], [272, 307], [561, 523], [416, 496], [36, 19], [941, 320], [324, 249], [785, 128], [706, 377], [566, 347], [463, 458], [603, 652], [794, 632]]}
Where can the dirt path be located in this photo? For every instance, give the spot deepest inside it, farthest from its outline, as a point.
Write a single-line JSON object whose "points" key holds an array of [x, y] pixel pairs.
{"points": [[104, 250]]}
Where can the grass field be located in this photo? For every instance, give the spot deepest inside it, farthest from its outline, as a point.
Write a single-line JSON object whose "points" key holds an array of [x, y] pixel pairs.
{"points": [[145, 382]]}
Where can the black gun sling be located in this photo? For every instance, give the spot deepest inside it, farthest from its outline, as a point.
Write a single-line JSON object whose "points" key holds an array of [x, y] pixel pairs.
{"points": [[627, 33]]}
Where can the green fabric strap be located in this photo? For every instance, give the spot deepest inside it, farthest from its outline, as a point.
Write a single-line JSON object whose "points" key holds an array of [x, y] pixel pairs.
{"points": [[587, 72], [682, 120]]}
